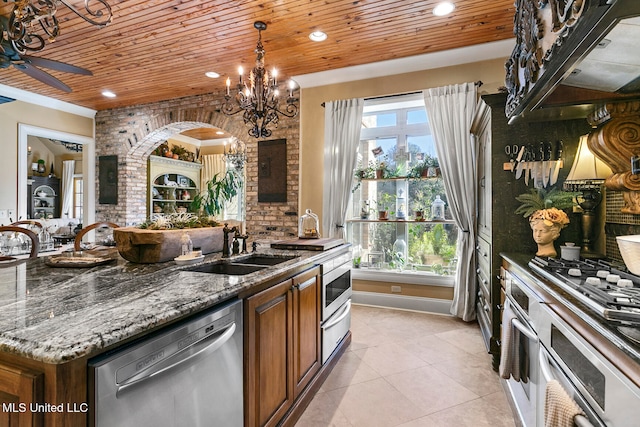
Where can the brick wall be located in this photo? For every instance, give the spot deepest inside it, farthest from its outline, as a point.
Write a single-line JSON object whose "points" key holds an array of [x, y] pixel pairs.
{"points": [[132, 133]]}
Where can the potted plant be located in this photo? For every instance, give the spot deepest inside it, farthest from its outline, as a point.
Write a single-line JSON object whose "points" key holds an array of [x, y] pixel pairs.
{"points": [[158, 239], [219, 190], [419, 211], [384, 203], [381, 167], [421, 169]]}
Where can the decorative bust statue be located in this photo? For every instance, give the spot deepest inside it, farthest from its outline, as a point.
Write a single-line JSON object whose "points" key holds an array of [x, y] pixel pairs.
{"points": [[546, 225]]}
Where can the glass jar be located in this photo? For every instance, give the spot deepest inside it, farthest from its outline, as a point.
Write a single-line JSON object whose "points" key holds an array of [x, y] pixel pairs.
{"points": [[437, 209], [308, 226]]}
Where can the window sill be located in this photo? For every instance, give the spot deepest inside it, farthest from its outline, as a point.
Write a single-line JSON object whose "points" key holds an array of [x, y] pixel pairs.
{"points": [[412, 277]]}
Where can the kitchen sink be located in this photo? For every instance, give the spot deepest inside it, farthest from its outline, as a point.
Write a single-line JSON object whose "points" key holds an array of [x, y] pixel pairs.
{"points": [[264, 259], [226, 268]]}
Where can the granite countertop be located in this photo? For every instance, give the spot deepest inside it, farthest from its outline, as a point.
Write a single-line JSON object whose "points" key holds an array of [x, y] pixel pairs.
{"points": [[55, 315]]}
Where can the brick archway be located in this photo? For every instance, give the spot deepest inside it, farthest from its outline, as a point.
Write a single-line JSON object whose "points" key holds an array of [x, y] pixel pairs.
{"points": [[133, 133]]}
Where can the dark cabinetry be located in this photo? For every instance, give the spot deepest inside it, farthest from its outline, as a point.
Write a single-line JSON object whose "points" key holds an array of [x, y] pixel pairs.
{"points": [[43, 197], [499, 229], [282, 346]]}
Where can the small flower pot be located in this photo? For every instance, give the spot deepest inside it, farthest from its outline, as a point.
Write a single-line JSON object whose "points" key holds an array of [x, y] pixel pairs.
{"points": [[383, 215]]}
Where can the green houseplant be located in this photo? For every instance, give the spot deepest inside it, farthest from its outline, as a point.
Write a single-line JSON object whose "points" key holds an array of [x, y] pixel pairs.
{"points": [[219, 190]]}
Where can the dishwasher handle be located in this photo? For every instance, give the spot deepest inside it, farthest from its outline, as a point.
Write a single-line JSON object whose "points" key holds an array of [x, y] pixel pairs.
{"points": [[209, 344]]}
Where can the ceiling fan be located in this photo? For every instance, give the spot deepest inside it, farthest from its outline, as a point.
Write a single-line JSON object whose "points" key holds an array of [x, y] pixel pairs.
{"points": [[9, 56]]}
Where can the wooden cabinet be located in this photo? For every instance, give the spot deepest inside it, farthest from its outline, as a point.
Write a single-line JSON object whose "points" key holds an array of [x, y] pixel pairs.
{"points": [[43, 197], [172, 185], [20, 388], [282, 344]]}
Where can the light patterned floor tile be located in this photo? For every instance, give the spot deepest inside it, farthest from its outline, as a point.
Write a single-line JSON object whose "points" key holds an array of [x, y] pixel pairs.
{"points": [[409, 369]]}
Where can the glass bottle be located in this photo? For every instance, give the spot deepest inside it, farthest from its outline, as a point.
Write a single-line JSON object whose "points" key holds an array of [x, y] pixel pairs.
{"points": [[437, 209], [309, 226]]}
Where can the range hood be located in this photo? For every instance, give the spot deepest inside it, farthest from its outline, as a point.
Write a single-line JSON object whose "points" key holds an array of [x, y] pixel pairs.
{"points": [[614, 63], [574, 54]]}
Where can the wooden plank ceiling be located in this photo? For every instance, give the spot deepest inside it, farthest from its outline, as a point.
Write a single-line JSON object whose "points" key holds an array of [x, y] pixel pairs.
{"points": [[160, 49]]}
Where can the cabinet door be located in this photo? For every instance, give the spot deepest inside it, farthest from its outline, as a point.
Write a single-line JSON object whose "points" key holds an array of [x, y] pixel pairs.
{"points": [[307, 351], [482, 133], [269, 384], [19, 388]]}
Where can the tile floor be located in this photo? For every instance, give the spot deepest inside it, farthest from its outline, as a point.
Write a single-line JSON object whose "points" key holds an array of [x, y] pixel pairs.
{"points": [[410, 369]]}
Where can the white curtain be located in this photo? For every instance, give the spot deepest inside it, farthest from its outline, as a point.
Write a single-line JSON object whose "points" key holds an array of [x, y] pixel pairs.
{"points": [[450, 110], [211, 165], [68, 169], [342, 123]]}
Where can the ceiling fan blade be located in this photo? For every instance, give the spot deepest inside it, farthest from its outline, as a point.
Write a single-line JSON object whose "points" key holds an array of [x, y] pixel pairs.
{"points": [[43, 76], [55, 65]]}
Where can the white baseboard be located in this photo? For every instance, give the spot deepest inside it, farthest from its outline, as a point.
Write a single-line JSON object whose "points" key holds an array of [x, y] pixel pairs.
{"points": [[429, 305]]}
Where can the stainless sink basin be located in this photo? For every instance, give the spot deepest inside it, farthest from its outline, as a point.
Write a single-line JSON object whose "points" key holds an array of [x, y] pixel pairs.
{"points": [[226, 268], [264, 259]]}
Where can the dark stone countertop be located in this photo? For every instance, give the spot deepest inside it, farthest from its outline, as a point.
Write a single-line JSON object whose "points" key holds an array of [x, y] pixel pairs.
{"points": [[55, 315]]}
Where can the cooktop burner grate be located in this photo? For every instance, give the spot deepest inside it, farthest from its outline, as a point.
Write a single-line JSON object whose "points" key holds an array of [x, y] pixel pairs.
{"points": [[607, 288]]}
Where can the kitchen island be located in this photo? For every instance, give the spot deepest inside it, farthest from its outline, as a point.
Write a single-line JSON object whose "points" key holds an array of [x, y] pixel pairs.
{"points": [[52, 320]]}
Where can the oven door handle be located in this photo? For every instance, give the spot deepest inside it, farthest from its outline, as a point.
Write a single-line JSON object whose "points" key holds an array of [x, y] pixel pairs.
{"points": [[526, 331], [345, 312], [545, 367]]}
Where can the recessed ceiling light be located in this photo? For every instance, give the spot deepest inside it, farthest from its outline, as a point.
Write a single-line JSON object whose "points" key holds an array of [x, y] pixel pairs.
{"points": [[443, 8], [318, 36], [108, 94], [212, 74]]}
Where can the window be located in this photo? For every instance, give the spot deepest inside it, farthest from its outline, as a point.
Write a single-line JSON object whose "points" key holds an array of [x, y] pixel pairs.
{"points": [[395, 134], [78, 192]]}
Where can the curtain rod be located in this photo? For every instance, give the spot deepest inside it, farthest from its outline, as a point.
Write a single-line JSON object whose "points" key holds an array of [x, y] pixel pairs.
{"points": [[478, 83]]}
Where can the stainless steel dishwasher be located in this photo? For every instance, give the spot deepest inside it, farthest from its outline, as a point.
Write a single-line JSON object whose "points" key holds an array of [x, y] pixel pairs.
{"points": [[189, 374]]}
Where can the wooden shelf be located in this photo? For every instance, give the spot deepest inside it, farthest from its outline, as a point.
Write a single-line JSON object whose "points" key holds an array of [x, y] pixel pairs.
{"points": [[446, 221]]}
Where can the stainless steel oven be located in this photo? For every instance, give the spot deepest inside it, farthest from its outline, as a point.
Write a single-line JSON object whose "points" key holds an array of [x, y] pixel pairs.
{"points": [[520, 340], [336, 302], [601, 390]]}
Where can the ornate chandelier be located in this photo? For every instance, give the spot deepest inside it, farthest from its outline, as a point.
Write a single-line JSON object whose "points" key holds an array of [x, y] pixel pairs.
{"points": [[259, 97], [235, 153], [22, 29]]}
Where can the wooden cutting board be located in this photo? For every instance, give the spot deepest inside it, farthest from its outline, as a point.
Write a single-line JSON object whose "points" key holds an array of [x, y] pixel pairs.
{"points": [[308, 244]]}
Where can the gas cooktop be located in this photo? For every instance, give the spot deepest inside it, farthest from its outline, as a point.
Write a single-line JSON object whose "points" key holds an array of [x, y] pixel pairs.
{"points": [[606, 288]]}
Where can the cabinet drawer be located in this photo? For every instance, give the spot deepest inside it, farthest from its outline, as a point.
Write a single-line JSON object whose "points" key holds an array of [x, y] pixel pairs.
{"points": [[483, 285], [483, 250]]}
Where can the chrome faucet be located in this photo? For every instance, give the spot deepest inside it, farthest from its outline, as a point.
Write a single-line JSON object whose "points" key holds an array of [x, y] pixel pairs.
{"points": [[225, 244]]}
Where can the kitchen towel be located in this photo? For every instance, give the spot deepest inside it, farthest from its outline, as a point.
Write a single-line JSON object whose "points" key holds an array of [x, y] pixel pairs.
{"points": [[509, 348], [559, 408]]}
